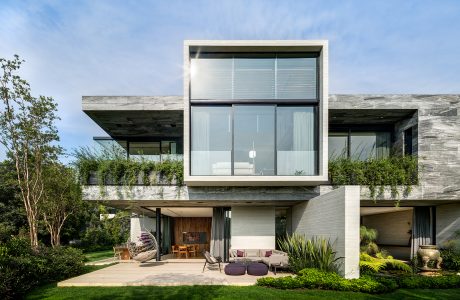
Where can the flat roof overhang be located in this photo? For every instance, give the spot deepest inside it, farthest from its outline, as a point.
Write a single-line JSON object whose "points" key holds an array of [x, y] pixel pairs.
{"points": [[133, 117], [255, 45], [368, 116]]}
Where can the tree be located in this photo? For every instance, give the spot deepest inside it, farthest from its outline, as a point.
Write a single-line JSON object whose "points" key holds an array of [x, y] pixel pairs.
{"points": [[61, 198], [28, 132], [12, 215]]}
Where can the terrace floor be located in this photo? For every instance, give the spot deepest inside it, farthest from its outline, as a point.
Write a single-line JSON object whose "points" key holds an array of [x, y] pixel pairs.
{"points": [[171, 272]]}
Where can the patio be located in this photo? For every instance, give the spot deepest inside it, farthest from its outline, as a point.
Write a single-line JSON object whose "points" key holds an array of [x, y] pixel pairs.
{"points": [[171, 272]]}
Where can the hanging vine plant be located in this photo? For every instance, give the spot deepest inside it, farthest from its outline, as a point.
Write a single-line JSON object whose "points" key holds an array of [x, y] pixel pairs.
{"points": [[117, 170], [376, 174]]}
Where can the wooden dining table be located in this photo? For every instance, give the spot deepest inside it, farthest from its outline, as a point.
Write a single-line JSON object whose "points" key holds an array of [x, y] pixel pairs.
{"points": [[187, 249]]}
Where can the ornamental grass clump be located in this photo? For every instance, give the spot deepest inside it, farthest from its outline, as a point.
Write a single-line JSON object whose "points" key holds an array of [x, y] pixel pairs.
{"points": [[309, 253]]}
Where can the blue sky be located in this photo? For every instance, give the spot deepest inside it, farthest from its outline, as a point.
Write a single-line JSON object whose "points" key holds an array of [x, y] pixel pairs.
{"points": [[75, 48]]}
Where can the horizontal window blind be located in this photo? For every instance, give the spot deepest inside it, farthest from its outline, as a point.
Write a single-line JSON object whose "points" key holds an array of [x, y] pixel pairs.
{"points": [[253, 77]]}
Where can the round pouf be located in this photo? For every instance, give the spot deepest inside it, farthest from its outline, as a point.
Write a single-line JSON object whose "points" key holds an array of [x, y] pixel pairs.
{"points": [[257, 269], [235, 269]]}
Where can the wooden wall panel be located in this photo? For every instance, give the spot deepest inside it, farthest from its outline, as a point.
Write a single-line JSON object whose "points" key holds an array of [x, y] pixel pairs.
{"points": [[192, 225]]}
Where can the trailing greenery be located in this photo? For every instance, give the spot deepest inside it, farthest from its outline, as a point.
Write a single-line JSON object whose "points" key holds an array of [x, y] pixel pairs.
{"points": [[393, 171], [316, 279], [113, 167], [314, 253], [369, 264], [22, 268]]}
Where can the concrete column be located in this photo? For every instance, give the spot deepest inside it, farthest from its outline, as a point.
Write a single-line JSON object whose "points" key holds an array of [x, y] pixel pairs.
{"points": [[334, 216], [158, 231]]}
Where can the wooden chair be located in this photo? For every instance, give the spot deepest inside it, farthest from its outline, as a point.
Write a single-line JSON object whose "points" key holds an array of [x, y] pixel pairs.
{"points": [[175, 250], [191, 250], [183, 250]]}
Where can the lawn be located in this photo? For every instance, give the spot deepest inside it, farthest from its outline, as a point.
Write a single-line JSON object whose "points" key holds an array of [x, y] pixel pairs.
{"points": [[223, 292], [98, 255]]}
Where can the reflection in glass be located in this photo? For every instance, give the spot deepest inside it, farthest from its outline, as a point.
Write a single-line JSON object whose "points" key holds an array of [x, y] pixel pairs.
{"points": [[254, 140], [296, 147], [368, 145], [211, 140], [338, 145]]}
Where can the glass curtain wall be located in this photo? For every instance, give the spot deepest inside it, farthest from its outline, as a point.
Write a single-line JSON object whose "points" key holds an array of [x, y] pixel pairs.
{"points": [[296, 140], [265, 140], [211, 140]]}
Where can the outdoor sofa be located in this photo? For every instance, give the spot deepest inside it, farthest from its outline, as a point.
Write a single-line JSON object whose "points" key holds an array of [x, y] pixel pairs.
{"points": [[270, 257]]}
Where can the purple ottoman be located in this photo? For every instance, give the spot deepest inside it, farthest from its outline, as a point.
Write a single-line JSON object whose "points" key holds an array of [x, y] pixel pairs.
{"points": [[257, 269], [235, 269]]}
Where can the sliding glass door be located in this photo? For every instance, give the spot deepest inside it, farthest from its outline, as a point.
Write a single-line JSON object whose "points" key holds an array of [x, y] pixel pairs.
{"points": [[254, 140]]}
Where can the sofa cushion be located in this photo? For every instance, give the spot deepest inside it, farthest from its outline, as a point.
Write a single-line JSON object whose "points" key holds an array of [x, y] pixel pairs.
{"points": [[239, 253], [268, 253], [252, 252]]}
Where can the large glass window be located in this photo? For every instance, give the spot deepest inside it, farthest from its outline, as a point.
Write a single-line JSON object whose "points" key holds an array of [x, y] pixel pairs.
{"points": [[211, 140], [362, 145], [338, 145], [254, 140], [221, 76], [296, 140]]}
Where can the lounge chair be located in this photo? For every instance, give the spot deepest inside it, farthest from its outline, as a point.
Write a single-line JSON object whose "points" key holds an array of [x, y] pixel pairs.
{"points": [[211, 260]]}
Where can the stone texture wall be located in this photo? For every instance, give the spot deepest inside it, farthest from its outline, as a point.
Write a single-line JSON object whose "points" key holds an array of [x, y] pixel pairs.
{"points": [[438, 143]]}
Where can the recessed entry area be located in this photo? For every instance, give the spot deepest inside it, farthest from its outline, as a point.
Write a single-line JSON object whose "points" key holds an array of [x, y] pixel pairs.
{"points": [[394, 228]]}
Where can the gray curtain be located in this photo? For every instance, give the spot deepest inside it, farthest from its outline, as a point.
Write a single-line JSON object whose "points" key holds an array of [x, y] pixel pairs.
{"points": [[217, 231], [166, 240], [421, 228]]}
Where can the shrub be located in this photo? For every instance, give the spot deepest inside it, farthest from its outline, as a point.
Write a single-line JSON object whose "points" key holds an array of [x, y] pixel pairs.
{"points": [[21, 268], [425, 282], [316, 279], [315, 253], [370, 265], [450, 259], [450, 253]]}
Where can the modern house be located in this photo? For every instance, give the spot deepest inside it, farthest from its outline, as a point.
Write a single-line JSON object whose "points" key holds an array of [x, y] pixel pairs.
{"points": [[256, 129]]}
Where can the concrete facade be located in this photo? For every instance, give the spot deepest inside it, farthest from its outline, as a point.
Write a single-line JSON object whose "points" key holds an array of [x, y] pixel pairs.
{"points": [[320, 46], [334, 216], [318, 209], [253, 227]]}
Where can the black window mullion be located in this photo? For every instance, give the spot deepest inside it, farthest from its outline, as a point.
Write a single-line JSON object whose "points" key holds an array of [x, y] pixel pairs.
{"points": [[276, 142]]}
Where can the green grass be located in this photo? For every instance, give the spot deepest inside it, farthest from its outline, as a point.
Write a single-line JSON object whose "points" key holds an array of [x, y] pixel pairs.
{"points": [[98, 255], [223, 292]]}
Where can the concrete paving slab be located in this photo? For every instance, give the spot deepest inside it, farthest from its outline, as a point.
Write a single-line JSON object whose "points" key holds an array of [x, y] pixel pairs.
{"points": [[161, 274]]}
